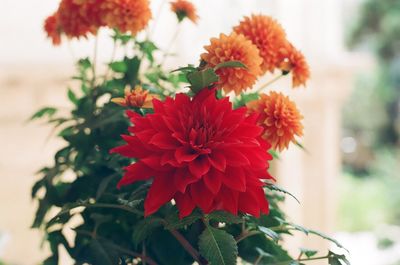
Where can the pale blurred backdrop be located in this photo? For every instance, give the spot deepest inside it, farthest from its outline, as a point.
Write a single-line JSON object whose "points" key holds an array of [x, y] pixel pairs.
{"points": [[33, 74]]}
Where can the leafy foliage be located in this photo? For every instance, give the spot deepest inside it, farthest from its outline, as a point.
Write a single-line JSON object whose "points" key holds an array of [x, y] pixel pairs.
{"points": [[113, 228]]}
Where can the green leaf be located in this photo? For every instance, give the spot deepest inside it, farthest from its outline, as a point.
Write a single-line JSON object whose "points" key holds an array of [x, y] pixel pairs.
{"points": [[218, 247], [274, 153], [202, 79], [186, 69], [72, 97], [148, 48], [230, 64], [174, 222], [224, 217], [263, 253], [269, 233], [130, 203], [118, 67], [279, 189], [336, 259], [84, 64], [308, 252], [101, 254], [144, 228], [49, 111]]}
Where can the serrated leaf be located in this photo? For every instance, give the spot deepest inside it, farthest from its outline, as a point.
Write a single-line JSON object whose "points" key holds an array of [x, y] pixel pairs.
{"points": [[130, 203], [308, 252], [174, 222], [230, 64], [225, 217], [202, 79], [218, 247], [279, 189], [118, 67], [269, 233], [49, 111], [263, 253], [144, 228]]}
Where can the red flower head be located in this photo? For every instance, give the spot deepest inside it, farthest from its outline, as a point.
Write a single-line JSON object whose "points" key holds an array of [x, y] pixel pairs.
{"points": [[199, 152], [52, 28]]}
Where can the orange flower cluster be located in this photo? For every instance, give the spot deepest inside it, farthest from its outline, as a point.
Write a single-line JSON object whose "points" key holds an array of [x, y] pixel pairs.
{"points": [[279, 117], [137, 98], [78, 18], [275, 51], [184, 9], [234, 47]]}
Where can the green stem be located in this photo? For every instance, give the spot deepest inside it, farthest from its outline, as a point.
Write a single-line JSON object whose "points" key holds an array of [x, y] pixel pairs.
{"points": [[269, 83], [113, 206], [144, 258], [94, 60], [246, 234], [187, 246], [151, 32], [171, 43]]}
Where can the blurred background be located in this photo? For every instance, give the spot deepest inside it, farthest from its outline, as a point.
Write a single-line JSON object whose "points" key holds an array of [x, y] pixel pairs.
{"points": [[348, 180]]}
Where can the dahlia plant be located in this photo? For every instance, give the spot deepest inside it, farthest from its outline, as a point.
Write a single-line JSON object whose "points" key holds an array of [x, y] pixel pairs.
{"points": [[171, 167]]}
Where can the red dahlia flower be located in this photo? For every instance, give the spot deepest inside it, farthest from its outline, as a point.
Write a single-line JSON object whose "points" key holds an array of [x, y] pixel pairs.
{"points": [[199, 152]]}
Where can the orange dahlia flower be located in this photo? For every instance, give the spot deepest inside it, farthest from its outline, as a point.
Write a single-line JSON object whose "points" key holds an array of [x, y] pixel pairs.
{"points": [[267, 34], [184, 9], [52, 28], [126, 15], [74, 21], [137, 98], [292, 60], [279, 117], [234, 47]]}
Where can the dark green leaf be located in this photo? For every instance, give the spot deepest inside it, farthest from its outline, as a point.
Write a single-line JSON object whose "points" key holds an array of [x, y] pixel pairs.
{"points": [[308, 252], [186, 69], [174, 222], [144, 228], [84, 64], [230, 64], [49, 111], [279, 189], [269, 233], [225, 217], [218, 247], [72, 97], [101, 254]]}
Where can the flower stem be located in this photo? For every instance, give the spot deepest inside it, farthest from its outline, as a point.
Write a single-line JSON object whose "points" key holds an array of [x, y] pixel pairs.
{"points": [[171, 43], [269, 83], [151, 32], [187, 246], [94, 60]]}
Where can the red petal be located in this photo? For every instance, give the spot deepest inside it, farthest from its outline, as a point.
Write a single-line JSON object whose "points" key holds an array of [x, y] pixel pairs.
{"points": [[218, 160], [199, 166], [164, 141], [213, 180], [184, 203], [248, 203], [135, 172], [201, 196], [161, 191], [182, 178], [228, 200], [234, 178], [185, 154], [236, 158]]}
